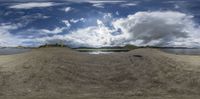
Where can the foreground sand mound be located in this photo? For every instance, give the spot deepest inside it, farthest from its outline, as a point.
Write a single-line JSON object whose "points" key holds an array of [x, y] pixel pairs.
{"points": [[61, 71]]}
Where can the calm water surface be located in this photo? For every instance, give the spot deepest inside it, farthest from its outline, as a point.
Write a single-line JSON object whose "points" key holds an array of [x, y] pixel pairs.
{"points": [[102, 51], [173, 51], [9, 51]]}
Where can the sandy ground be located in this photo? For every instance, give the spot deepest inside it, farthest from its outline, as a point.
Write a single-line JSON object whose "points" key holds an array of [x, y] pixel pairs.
{"points": [[61, 73], [191, 62]]}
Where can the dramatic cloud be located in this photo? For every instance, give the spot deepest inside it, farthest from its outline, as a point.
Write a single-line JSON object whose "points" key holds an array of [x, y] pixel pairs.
{"points": [[31, 5], [142, 28], [158, 28], [94, 36]]}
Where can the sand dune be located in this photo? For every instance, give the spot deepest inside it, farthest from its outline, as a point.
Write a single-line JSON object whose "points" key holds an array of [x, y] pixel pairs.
{"points": [[61, 73]]}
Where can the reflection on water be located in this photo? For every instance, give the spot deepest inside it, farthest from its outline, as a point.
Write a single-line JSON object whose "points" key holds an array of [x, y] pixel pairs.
{"points": [[102, 51], [183, 51], [9, 51], [173, 51]]}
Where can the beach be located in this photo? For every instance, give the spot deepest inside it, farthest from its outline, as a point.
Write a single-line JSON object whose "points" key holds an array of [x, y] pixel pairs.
{"points": [[63, 73]]}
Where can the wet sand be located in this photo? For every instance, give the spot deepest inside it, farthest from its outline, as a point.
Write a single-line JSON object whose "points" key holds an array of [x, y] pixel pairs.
{"points": [[61, 73]]}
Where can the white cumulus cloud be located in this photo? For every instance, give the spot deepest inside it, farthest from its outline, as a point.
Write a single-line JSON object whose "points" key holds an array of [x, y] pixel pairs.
{"points": [[157, 28], [6, 38], [93, 36]]}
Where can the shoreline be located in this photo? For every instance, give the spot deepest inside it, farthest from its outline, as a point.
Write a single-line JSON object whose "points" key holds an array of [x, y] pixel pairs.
{"points": [[165, 50]]}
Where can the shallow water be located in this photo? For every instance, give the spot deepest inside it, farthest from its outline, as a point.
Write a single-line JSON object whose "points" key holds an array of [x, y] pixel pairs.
{"points": [[169, 50], [173, 51], [9, 51], [102, 51], [183, 51]]}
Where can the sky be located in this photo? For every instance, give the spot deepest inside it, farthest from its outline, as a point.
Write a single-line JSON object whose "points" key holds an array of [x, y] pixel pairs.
{"points": [[100, 23]]}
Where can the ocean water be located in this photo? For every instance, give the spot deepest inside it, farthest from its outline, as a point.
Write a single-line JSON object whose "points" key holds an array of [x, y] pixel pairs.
{"points": [[9, 51], [183, 51]]}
